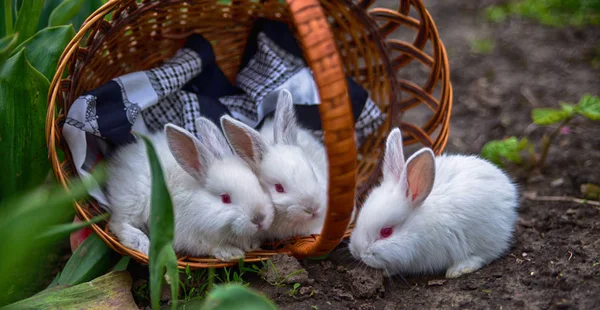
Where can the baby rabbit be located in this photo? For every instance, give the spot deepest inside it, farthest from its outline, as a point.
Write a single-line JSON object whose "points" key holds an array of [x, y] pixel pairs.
{"points": [[452, 213], [218, 203], [291, 163]]}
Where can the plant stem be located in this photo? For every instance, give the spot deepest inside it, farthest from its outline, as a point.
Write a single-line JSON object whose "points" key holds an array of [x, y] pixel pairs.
{"points": [[546, 143], [211, 279], [534, 197], [8, 17]]}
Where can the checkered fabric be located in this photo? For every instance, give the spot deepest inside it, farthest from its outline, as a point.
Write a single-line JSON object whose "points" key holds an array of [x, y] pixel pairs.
{"points": [[190, 84]]}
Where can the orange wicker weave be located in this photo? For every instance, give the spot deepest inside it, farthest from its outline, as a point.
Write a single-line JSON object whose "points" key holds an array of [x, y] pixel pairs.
{"points": [[338, 38]]}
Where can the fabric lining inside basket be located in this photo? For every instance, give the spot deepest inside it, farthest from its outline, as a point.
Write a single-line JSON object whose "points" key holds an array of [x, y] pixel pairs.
{"points": [[190, 84]]}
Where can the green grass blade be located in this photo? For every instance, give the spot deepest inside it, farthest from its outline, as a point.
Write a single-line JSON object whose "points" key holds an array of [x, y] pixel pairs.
{"points": [[161, 232], [63, 230]]}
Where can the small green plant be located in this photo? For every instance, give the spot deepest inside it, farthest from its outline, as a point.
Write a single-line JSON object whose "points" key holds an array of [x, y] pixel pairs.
{"points": [[482, 46], [142, 293], [228, 275], [280, 280], [194, 285], [510, 148], [549, 12], [294, 290]]}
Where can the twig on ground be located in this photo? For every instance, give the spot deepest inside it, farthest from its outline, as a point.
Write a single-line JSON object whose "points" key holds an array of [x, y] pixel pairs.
{"points": [[535, 197]]}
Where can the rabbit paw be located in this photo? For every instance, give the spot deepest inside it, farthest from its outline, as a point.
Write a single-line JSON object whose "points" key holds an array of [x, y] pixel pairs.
{"points": [[132, 237], [141, 245], [469, 265], [228, 253], [253, 246]]}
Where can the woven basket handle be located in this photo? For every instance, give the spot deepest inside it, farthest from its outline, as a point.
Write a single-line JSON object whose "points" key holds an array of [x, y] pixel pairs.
{"points": [[323, 58]]}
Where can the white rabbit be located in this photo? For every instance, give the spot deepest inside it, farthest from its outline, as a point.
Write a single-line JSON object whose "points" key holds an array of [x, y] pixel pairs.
{"points": [[290, 163], [218, 203], [452, 213]]}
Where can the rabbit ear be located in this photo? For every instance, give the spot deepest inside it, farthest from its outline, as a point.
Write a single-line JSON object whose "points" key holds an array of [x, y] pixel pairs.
{"points": [[420, 174], [393, 161], [212, 137], [245, 141], [188, 152], [285, 127]]}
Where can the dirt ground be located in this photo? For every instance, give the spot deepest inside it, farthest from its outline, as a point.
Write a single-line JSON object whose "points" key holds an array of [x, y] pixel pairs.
{"points": [[555, 261]]}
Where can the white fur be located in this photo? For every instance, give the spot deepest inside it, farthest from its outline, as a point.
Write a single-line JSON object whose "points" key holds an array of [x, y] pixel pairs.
{"points": [[204, 225], [464, 223], [283, 153]]}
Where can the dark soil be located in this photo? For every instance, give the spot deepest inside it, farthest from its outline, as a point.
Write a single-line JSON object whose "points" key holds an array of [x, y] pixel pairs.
{"points": [[555, 262]]}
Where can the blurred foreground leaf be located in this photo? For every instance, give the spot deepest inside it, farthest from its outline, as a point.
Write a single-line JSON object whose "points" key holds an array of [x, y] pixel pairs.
{"points": [[23, 220], [111, 291], [162, 254], [236, 296]]}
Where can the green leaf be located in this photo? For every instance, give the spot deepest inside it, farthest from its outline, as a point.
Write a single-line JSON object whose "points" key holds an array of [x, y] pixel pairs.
{"points": [[23, 93], [64, 12], [7, 45], [92, 258], [589, 106], [236, 296], [110, 291], [27, 20], [496, 14], [7, 13], [63, 230], [122, 264], [548, 116], [45, 47], [89, 6], [567, 107], [508, 149], [22, 219], [161, 232], [49, 6]]}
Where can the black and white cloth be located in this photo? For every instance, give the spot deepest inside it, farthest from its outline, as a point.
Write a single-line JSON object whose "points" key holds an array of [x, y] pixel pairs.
{"points": [[190, 84]]}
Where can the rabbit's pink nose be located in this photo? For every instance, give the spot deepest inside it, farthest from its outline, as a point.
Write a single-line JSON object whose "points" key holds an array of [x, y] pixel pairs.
{"points": [[312, 211], [258, 220]]}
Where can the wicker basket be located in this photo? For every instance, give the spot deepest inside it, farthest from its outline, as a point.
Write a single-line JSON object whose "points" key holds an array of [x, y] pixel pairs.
{"points": [[338, 38]]}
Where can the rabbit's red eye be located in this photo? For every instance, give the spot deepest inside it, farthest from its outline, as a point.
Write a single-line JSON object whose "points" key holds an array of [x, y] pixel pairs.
{"points": [[279, 188], [386, 232], [225, 198]]}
